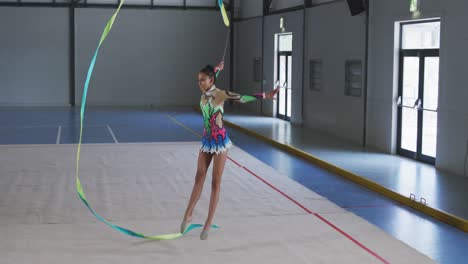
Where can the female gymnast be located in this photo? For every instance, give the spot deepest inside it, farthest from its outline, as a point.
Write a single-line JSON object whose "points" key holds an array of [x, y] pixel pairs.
{"points": [[215, 140]]}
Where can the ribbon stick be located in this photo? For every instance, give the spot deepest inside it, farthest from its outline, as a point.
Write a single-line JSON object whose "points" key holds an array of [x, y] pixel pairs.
{"points": [[223, 12], [79, 187]]}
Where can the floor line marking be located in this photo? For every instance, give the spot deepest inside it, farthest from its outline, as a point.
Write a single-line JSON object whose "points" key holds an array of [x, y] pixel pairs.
{"points": [[59, 135], [112, 134]]}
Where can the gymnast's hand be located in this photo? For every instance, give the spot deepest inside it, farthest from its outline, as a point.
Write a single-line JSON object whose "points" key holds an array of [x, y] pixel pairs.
{"points": [[220, 65], [271, 94]]}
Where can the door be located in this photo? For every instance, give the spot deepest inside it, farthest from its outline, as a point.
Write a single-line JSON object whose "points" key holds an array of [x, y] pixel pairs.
{"points": [[284, 78], [417, 104]]}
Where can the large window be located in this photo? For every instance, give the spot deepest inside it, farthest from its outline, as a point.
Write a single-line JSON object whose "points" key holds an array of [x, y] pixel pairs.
{"points": [[424, 35]]}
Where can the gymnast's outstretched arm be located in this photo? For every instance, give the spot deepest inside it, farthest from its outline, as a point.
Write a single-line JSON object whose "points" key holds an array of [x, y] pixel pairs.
{"points": [[249, 98]]}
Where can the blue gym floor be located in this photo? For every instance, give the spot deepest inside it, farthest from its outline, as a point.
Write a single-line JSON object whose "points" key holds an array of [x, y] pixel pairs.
{"points": [[441, 242]]}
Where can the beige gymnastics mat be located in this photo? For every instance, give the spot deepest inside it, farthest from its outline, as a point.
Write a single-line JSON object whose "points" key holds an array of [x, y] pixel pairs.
{"points": [[265, 217]]}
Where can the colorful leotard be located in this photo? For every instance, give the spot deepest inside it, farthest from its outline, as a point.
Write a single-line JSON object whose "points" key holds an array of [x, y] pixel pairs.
{"points": [[215, 138]]}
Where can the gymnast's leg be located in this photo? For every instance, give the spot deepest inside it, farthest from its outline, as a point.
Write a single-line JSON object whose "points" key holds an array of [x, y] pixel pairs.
{"points": [[219, 161], [204, 160]]}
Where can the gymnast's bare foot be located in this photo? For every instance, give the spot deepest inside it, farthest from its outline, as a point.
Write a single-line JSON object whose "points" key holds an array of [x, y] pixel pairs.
{"points": [[184, 224], [204, 234]]}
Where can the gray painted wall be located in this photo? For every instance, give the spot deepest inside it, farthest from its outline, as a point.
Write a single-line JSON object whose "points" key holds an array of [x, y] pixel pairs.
{"points": [[334, 36], [249, 8], [294, 23], [248, 46], [452, 138], [151, 57], [254, 8], [282, 4], [34, 55]]}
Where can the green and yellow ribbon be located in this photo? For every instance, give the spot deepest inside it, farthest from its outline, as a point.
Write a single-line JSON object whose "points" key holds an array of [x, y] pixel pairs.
{"points": [[79, 187], [223, 13]]}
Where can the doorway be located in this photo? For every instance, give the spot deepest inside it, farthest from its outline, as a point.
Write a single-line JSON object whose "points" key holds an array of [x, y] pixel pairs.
{"points": [[418, 90], [284, 75]]}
